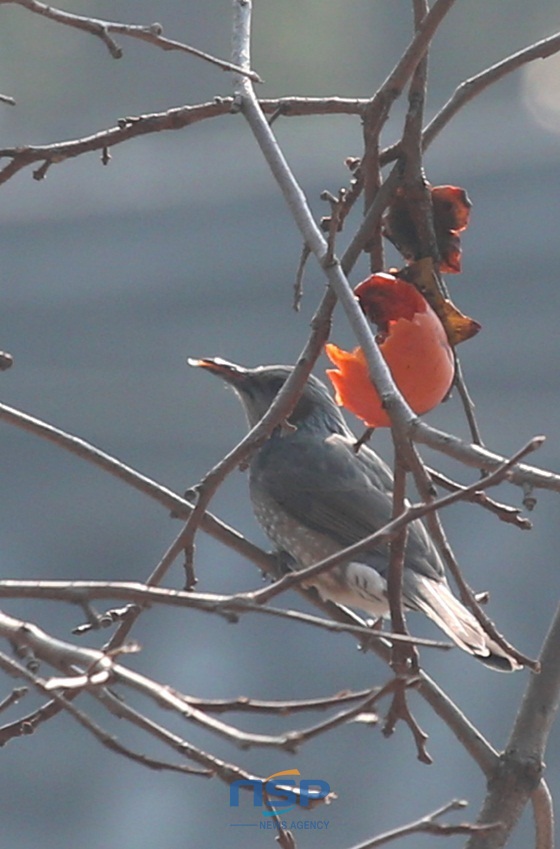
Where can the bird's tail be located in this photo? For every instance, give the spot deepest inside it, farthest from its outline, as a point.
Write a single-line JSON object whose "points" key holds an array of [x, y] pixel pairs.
{"points": [[435, 599]]}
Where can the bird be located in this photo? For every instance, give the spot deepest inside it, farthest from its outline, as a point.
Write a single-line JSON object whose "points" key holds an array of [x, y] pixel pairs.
{"points": [[314, 495]]}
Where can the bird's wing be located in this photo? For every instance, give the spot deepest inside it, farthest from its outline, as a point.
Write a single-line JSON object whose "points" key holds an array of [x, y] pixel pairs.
{"points": [[330, 489]]}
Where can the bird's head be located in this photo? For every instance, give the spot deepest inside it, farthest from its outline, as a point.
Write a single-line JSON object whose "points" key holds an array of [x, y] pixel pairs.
{"points": [[257, 388]]}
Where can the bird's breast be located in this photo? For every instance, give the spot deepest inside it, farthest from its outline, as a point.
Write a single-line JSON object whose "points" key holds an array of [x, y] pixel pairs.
{"points": [[305, 545]]}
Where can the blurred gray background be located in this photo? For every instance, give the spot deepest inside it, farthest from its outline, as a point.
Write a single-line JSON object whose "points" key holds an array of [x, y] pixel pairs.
{"points": [[181, 247]]}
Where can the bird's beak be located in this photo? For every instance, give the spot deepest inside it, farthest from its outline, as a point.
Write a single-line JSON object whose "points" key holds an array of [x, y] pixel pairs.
{"points": [[230, 372]]}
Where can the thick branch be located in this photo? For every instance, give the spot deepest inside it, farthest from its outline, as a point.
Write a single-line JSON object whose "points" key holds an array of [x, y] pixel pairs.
{"points": [[520, 769]]}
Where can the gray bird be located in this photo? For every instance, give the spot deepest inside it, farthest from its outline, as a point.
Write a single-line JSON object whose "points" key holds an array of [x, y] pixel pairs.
{"points": [[314, 495]]}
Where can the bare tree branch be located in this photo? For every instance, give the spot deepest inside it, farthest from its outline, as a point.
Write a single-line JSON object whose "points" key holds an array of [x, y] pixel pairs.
{"points": [[231, 607], [126, 624], [11, 667], [180, 117], [395, 404], [286, 399], [428, 825], [164, 496], [475, 85], [470, 88], [157, 122], [284, 707], [515, 776], [404, 659], [506, 513], [13, 698], [519, 771], [152, 34], [95, 669]]}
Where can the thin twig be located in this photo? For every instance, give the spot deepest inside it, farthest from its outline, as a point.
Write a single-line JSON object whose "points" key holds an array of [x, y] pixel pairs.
{"points": [[13, 698], [371, 219], [27, 724], [333, 222], [505, 512], [369, 175], [469, 598], [172, 119], [403, 660], [110, 742], [151, 33], [399, 710], [282, 707], [298, 283], [99, 669], [428, 825], [467, 402], [345, 716], [164, 496], [126, 624], [473, 86], [228, 606]]}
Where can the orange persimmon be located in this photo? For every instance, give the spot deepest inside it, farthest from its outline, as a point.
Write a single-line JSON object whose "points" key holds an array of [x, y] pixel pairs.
{"points": [[411, 339]]}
